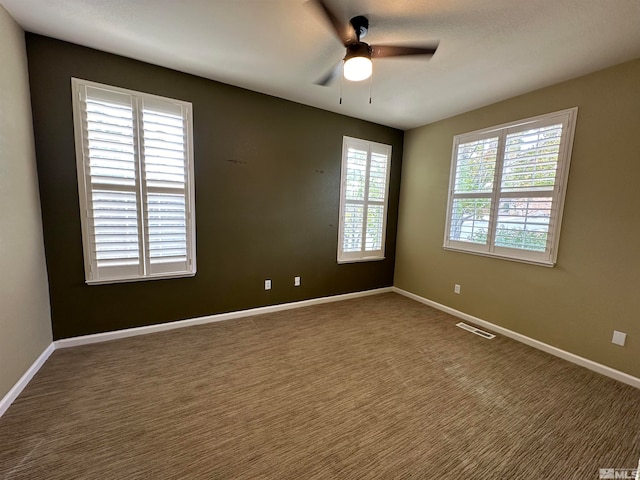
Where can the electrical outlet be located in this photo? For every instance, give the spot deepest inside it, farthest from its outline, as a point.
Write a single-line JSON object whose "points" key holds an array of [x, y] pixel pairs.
{"points": [[619, 338], [456, 288], [267, 284], [296, 281]]}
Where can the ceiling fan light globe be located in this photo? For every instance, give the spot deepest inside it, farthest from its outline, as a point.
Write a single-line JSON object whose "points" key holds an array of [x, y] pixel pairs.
{"points": [[357, 69]]}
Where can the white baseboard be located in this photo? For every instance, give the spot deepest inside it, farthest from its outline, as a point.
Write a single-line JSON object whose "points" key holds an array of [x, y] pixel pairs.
{"points": [[8, 399], [132, 332], [583, 362]]}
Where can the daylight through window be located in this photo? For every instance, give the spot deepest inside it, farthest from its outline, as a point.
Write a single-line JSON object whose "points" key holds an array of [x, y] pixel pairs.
{"points": [[135, 171], [363, 200], [507, 188]]}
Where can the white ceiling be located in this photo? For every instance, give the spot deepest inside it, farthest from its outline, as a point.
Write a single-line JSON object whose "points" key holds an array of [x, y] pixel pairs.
{"points": [[489, 49]]}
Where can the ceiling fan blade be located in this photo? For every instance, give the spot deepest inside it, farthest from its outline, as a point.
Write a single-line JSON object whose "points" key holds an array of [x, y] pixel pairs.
{"points": [[330, 75], [380, 51], [343, 30]]}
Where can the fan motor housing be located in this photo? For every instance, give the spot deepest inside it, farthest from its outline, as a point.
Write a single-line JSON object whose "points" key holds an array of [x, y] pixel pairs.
{"points": [[359, 49]]}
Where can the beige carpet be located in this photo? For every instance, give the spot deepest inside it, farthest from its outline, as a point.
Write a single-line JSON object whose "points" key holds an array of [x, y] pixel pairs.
{"points": [[378, 387]]}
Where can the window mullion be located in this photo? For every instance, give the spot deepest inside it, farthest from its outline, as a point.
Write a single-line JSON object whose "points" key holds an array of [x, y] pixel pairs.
{"points": [[365, 210], [488, 195], [140, 187], [529, 194], [495, 194]]}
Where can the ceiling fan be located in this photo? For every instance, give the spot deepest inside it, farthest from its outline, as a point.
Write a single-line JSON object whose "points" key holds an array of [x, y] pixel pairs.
{"points": [[357, 61]]}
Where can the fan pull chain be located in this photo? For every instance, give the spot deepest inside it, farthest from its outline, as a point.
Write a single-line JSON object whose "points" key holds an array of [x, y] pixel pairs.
{"points": [[370, 86], [341, 81]]}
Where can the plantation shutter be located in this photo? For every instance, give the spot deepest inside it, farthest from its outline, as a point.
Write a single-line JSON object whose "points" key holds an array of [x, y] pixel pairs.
{"points": [[364, 192], [507, 188], [165, 187], [525, 213], [112, 202], [134, 176], [473, 190]]}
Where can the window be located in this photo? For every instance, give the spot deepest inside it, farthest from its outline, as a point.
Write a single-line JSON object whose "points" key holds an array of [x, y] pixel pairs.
{"points": [[363, 200], [507, 188], [135, 178]]}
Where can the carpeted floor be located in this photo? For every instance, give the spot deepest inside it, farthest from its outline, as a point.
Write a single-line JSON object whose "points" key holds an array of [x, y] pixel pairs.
{"points": [[378, 387]]}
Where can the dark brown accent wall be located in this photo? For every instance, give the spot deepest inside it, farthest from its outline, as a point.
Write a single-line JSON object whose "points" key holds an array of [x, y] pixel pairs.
{"points": [[267, 180]]}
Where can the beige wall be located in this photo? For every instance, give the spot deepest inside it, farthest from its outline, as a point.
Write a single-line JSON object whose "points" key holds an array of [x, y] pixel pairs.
{"points": [[25, 325], [595, 285]]}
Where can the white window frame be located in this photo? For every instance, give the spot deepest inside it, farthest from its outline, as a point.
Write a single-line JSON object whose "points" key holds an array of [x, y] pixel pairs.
{"points": [[144, 270], [547, 258], [370, 147]]}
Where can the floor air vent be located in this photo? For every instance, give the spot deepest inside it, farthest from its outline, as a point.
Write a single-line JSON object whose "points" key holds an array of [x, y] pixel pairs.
{"points": [[475, 330]]}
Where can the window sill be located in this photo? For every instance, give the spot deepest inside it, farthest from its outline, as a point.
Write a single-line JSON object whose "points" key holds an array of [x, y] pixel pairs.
{"points": [[163, 276], [358, 260], [530, 261]]}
